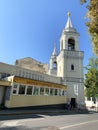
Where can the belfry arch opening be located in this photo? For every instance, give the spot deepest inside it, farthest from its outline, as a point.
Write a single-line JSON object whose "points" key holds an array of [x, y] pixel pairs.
{"points": [[71, 44], [55, 65]]}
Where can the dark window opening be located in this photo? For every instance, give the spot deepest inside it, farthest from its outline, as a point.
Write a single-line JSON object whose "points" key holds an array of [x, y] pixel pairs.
{"points": [[72, 67], [22, 89], [29, 90], [71, 44], [51, 91]]}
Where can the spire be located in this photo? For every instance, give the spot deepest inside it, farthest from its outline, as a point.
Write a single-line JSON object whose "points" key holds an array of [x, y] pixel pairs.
{"points": [[69, 23], [54, 51], [69, 26]]}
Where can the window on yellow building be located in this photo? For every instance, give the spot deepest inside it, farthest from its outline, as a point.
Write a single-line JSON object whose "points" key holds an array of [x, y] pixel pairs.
{"points": [[59, 92], [41, 91], [15, 88], [36, 90], [21, 89], [29, 90], [55, 92], [46, 91], [51, 91]]}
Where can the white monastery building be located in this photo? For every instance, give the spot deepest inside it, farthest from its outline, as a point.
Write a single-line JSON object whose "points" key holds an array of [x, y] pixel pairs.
{"points": [[32, 83]]}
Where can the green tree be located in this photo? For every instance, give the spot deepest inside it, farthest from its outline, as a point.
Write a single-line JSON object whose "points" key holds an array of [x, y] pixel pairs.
{"points": [[93, 63], [91, 78], [92, 23]]}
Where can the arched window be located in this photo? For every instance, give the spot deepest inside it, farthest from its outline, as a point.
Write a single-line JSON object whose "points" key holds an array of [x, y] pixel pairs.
{"points": [[72, 67], [55, 65], [71, 44]]}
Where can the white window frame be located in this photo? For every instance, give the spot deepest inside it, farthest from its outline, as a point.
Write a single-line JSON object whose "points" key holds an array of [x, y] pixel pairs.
{"points": [[25, 89], [15, 89]]}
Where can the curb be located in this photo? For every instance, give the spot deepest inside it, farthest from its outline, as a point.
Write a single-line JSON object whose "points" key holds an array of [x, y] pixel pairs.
{"points": [[44, 112], [36, 112]]}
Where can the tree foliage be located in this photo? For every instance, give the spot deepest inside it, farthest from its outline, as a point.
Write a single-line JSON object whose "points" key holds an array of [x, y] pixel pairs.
{"points": [[91, 78], [92, 23], [93, 63]]}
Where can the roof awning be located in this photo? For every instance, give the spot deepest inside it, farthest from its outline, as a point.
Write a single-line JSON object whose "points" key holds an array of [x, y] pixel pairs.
{"points": [[4, 83]]}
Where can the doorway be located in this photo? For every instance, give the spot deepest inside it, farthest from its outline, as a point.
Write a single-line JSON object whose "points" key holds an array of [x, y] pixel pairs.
{"points": [[2, 94], [73, 103]]}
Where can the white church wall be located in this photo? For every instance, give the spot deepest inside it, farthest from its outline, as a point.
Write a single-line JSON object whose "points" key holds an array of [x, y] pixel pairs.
{"points": [[60, 70], [52, 79], [77, 65], [71, 92]]}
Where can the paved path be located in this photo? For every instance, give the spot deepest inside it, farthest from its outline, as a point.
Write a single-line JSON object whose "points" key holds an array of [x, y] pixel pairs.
{"points": [[51, 120]]}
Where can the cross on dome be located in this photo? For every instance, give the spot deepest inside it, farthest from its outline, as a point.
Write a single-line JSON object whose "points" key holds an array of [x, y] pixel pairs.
{"points": [[68, 14]]}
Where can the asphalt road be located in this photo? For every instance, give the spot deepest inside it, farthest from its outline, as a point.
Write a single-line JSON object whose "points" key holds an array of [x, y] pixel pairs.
{"points": [[61, 121]]}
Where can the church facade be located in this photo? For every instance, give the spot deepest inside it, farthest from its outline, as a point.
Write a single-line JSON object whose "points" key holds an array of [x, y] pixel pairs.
{"points": [[68, 64], [33, 83]]}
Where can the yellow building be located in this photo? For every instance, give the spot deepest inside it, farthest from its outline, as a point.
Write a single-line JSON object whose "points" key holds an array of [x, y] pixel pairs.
{"points": [[23, 92]]}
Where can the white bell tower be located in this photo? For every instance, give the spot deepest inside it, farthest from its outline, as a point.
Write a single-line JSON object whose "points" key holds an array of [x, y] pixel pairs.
{"points": [[69, 37], [53, 62], [70, 62]]}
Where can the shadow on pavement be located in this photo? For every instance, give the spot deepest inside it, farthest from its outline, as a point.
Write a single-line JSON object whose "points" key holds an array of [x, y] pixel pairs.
{"points": [[20, 116], [68, 112], [17, 114], [34, 128]]}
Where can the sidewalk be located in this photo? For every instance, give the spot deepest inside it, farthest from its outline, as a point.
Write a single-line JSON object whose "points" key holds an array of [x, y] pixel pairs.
{"points": [[8, 112]]}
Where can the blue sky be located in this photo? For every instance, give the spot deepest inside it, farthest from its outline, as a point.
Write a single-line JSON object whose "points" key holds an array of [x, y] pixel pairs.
{"points": [[29, 28]]}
